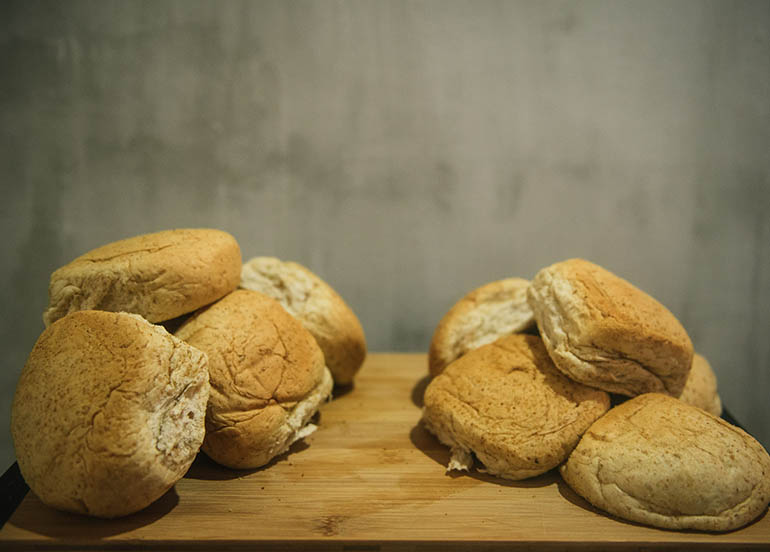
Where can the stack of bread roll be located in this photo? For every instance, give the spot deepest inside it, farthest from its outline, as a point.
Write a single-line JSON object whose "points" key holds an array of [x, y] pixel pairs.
{"points": [[111, 409], [524, 378]]}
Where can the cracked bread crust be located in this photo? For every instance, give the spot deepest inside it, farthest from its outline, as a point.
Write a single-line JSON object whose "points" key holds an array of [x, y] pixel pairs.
{"points": [[267, 377], [506, 403], [602, 331], [658, 461], [108, 413], [159, 276], [701, 387], [485, 314], [317, 306]]}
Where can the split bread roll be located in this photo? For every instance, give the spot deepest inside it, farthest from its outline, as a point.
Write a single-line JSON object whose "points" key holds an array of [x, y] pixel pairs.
{"points": [[701, 387], [267, 378], [318, 307], [658, 461], [108, 413], [159, 276], [485, 314], [602, 331], [506, 403]]}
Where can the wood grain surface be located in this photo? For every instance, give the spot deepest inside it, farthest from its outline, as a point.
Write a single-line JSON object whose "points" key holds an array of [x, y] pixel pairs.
{"points": [[371, 478]]}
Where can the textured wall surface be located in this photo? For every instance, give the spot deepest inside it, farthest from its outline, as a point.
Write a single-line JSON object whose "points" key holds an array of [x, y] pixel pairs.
{"points": [[405, 151]]}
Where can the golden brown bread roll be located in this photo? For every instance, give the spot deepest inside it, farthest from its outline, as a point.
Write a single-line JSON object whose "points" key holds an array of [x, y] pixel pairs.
{"points": [[159, 276], [602, 331], [661, 462], [108, 413], [506, 403], [267, 377]]}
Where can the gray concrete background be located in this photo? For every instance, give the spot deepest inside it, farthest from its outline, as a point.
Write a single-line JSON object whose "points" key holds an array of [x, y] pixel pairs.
{"points": [[405, 151]]}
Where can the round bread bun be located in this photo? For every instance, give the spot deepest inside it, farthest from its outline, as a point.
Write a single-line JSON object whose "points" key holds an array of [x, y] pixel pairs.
{"points": [[159, 276], [267, 378], [485, 314], [602, 331], [701, 387], [506, 403], [317, 306], [658, 461], [108, 413]]}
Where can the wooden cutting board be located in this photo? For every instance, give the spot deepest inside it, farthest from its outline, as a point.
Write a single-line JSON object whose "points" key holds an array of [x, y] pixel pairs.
{"points": [[371, 478]]}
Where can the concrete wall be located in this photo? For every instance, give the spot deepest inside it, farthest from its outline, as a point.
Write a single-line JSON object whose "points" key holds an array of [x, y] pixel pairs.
{"points": [[405, 151]]}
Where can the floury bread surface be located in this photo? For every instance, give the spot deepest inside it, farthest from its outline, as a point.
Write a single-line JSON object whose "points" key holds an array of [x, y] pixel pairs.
{"points": [[658, 461], [108, 413], [267, 377], [159, 276], [603, 331], [317, 306], [506, 403], [485, 314]]}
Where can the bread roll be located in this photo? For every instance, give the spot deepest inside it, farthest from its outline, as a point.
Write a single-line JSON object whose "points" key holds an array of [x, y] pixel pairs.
{"points": [[108, 413], [602, 331], [701, 387], [267, 378], [506, 403], [159, 276], [658, 461], [317, 306], [485, 314]]}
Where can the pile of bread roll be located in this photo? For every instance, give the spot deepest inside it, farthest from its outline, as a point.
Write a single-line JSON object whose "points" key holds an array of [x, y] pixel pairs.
{"points": [[525, 376], [111, 409]]}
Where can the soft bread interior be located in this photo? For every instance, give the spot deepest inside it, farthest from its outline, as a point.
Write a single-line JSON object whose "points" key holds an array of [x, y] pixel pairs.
{"points": [[173, 421], [297, 423], [488, 322], [460, 457], [482, 316], [292, 288]]}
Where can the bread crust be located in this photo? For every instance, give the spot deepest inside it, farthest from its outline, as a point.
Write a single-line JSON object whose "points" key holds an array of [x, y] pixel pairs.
{"points": [[317, 306], [483, 315], [602, 331], [267, 377], [506, 403], [108, 413], [658, 461], [159, 276], [701, 387]]}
